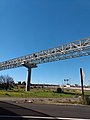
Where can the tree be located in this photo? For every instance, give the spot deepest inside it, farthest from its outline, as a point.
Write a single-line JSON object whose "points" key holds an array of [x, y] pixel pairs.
{"points": [[23, 83], [6, 82]]}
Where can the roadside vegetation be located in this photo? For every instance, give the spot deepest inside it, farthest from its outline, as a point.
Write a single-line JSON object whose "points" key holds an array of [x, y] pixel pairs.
{"points": [[8, 89], [19, 91]]}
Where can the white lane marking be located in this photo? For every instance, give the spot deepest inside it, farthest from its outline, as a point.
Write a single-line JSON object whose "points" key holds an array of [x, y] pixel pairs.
{"points": [[37, 117], [59, 118]]}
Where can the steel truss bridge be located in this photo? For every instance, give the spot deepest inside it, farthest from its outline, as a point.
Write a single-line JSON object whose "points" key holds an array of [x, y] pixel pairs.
{"points": [[70, 50]]}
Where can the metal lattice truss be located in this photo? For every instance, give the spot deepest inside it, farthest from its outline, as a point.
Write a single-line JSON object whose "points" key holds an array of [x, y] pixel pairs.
{"points": [[70, 50]]}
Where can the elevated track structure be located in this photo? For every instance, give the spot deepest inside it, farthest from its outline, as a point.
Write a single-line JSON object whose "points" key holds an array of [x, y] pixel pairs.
{"points": [[70, 50]]}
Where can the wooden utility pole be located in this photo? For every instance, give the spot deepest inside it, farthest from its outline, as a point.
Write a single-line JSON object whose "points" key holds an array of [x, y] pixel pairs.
{"points": [[82, 78]]}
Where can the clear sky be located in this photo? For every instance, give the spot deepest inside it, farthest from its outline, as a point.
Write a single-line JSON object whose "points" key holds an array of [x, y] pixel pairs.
{"points": [[28, 26]]}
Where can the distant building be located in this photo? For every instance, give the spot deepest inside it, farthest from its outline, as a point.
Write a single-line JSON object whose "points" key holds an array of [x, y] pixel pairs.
{"points": [[44, 85]]}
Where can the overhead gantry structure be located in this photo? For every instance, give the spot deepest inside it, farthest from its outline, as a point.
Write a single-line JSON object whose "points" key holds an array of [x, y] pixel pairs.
{"points": [[70, 50]]}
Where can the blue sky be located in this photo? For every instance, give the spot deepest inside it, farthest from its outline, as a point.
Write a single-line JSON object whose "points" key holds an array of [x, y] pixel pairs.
{"points": [[28, 26]]}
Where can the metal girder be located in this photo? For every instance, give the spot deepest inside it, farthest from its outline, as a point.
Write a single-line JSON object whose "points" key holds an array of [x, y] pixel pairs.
{"points": [[66, 51]]}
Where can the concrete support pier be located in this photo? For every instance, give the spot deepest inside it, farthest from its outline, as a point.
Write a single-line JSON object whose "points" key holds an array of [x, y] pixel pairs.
{"points": [[28, 77]]}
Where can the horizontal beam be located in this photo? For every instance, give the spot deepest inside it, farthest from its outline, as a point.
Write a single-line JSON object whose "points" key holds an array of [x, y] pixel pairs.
{"points": [[27, 65]]}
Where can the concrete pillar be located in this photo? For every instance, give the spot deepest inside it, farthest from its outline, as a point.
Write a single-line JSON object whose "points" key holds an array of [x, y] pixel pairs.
{"points": [[28, 79]]}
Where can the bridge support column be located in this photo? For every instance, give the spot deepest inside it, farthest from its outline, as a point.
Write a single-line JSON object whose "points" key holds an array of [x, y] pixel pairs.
{"points": [[28, 79]]}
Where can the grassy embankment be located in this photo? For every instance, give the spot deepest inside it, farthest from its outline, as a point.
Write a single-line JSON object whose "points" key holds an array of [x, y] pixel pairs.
{"points": [[41, 93]]}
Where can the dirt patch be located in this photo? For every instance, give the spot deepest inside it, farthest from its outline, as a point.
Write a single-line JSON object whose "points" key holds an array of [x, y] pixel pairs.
{"points": [[43, 100]]}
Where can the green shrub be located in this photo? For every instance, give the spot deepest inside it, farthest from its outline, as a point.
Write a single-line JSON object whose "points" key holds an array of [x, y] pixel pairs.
{"points": [[86, 100], [59, 90], [7, 94]]}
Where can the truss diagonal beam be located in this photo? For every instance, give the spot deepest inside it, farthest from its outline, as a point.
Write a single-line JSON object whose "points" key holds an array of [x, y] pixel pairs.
{"points": [[66, 51]]}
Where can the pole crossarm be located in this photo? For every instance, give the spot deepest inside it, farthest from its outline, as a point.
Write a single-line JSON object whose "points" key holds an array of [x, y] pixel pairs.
{"points": [[66, 51]]}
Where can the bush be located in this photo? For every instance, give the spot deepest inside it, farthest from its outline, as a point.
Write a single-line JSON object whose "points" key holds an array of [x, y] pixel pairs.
{"points": [[7, 94], [59, 90], [86, 100]]}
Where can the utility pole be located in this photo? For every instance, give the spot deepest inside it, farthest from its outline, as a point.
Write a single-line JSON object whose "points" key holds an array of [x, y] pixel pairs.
{"points": [[82, 78]]}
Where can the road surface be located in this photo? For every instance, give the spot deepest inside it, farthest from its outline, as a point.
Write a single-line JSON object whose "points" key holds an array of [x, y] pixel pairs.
{"points": [[29, 111]]}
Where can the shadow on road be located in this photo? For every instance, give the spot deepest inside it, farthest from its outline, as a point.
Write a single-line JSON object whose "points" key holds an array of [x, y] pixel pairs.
{"points": [[10, 112]]}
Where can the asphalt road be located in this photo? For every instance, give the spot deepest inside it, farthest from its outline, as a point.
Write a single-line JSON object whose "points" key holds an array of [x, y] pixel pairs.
{"points": [[22, 111]]}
